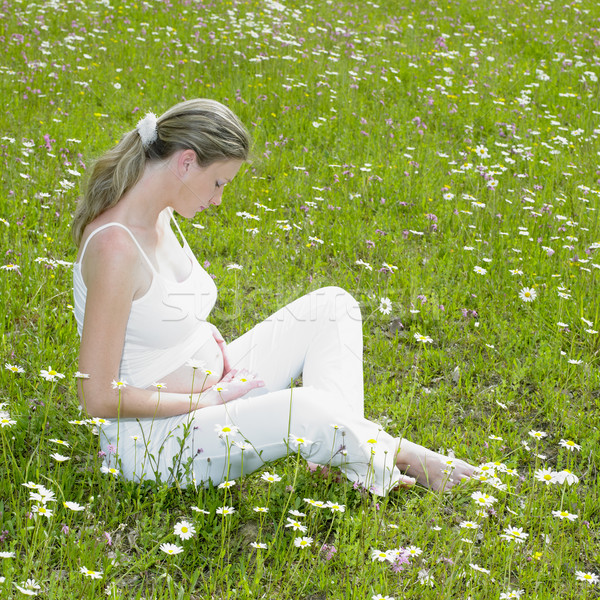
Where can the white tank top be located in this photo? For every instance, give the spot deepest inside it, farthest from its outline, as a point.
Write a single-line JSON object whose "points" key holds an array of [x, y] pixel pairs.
{"points": [[166, 326]]}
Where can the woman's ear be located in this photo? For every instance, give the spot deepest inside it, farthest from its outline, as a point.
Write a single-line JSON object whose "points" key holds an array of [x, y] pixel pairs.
{"points": [[186, 161]]}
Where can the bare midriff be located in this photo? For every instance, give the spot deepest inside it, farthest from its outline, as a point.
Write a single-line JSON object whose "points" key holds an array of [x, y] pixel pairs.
{"points": [[186, 379]]}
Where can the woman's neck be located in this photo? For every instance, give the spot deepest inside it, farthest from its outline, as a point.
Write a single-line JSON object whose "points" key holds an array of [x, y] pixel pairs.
{"points": [[142, 205]]}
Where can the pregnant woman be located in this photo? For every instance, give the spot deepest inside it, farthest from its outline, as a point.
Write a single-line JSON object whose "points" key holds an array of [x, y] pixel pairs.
{"points": [[180, 404]]}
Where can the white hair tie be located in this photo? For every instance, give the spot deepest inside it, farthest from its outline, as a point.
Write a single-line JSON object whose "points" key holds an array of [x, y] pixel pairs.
{"points": [[147, 130]]}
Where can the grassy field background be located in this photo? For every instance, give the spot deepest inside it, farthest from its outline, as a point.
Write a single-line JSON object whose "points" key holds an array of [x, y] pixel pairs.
{"points": [[438, 157]]}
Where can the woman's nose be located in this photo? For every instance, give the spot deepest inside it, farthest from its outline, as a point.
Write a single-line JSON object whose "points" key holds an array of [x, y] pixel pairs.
{"points": [[216, 199]]}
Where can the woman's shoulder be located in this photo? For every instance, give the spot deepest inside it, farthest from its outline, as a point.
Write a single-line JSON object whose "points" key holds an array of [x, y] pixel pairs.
{"points": [[108, 247], [103, 234]]}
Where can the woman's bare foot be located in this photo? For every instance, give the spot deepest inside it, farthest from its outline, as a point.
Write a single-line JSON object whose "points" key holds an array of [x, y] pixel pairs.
{"points": [[431, 469]]}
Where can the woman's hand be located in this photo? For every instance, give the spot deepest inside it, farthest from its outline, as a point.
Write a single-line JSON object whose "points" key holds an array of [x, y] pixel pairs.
{"points": [[234, 385], [222, 346]]}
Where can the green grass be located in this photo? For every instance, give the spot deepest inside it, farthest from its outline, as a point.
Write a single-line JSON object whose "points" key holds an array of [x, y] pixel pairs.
{"points": [[368, 125]]}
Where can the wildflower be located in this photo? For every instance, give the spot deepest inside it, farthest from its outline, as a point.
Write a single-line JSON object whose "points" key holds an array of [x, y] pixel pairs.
{"points": [[514, 534], [563, 514], [199, 510], [171, 549], [225, 510], [385, 306], [51, 374], [303, 542], [7, 554], [328, 550], [483, 499], [258, 545], [528, 294], [590, 578], [515, 271], [468, 525], [423, 338], [118, 384], [32, 486], [364, 264], [14, 368], [184, 530], [234, 266], [487, 468], [380, 597], [270, 477], [260, 509], [387, 267], [414, 551], [511, 594], [226, 430], [335, 507], [91, 574], [42, 495], [497, 483], [59, 457], [6, 422], [480, 270], [159, 385], [297, 513], [242, 445], [109, 470], [61, 442], [196, 364], [74, 506], [565, 476], [296, 525], [478, 568], [28, 587], [538, 435], [80, 375], [425, 578], [482, 151], [40, 509], [226, 484], [379, 555], [298, 441], [569, 445], [316, 503], [546, 476]]}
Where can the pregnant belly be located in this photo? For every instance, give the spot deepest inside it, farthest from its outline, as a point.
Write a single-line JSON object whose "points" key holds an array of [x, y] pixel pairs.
{"points": [[186, 379]]}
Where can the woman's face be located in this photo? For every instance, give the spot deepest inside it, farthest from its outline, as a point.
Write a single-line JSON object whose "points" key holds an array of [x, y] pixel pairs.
{"points": [[203, 186]]}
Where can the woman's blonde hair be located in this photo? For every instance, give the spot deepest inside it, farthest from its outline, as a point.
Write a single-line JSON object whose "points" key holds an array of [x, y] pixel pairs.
{"points": [[202, 125]]}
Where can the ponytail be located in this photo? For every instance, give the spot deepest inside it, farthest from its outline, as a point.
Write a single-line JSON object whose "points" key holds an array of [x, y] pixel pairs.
{"points": [[205, 126], [113, 174]]}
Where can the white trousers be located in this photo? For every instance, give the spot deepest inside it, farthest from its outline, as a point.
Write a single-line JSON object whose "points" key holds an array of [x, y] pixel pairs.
{"points": [[318, 336]]}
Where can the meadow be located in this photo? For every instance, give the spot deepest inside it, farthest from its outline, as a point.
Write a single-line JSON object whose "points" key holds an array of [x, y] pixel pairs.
{"points": [[440, 160]]}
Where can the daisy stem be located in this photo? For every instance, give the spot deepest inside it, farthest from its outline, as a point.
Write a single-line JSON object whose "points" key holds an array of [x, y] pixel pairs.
{"points": [[14, 462], [45, 419], [287, 503]]}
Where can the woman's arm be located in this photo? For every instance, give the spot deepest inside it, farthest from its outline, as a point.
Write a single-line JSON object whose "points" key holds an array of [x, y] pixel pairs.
{"points": [[112, 262], [111, 271]]}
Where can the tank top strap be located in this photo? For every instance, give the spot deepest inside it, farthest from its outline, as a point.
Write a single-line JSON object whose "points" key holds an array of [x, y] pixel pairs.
{"points": [[114, 223], [185, 244]]}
